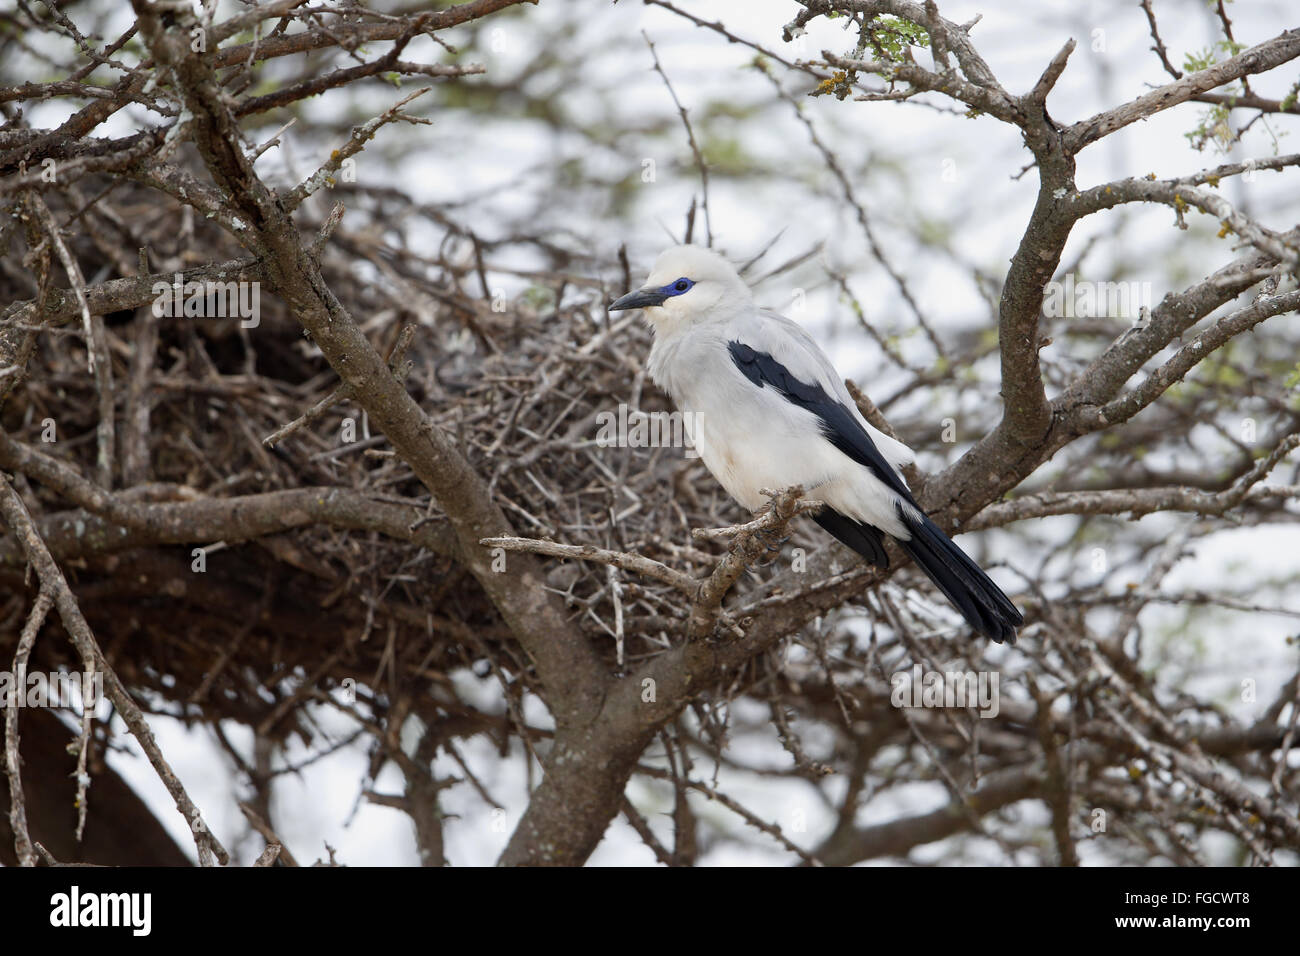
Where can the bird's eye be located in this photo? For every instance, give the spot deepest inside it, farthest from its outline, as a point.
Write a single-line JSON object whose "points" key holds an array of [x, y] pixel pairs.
{"points": [[681, 285]]}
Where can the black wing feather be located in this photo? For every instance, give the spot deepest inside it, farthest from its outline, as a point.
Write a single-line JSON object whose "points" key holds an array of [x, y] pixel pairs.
{"points": [[838, 424]]}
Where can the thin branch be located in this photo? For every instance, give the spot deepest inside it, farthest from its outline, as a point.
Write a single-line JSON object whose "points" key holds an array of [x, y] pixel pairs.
{"points": [[20, 524], [13, 760]]}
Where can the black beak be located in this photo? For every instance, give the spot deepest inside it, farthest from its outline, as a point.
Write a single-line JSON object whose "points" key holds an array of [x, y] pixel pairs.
{"points": [[639, 299]]}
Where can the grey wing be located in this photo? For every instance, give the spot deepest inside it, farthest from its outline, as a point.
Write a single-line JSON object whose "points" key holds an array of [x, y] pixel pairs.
{"points": [[772, 351]]}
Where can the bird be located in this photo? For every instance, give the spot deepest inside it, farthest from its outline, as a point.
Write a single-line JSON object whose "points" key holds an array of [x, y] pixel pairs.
{"points": [[769, 411]]}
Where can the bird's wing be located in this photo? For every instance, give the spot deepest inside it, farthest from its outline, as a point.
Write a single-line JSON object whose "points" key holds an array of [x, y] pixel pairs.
{"points": [[772, 351]]}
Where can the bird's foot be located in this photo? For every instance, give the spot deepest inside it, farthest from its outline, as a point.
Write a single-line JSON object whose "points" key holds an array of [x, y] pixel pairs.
{"points": [[771, 542]]}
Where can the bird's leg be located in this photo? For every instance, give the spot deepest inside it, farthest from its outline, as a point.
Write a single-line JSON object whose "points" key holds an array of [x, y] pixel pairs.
{"points": [[768, 526], [772, 541], [772, 534]]}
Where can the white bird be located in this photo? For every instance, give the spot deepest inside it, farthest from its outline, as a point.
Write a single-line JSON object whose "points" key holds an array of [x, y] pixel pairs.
{"points": [[769, 411]]}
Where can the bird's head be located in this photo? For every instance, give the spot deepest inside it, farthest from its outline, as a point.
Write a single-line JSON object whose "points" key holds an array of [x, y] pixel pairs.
{"points": [[687, 285]]}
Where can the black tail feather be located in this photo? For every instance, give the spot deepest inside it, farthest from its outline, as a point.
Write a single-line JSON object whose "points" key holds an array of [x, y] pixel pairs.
{"points": [[862, 538], [971, 591]]}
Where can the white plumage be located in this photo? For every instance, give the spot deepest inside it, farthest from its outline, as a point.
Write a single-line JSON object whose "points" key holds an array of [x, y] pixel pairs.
{"points": [[769, 411]]}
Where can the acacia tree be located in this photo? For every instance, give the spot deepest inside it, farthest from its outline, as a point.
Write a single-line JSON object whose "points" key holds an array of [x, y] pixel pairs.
{"points": [[386, 473]]}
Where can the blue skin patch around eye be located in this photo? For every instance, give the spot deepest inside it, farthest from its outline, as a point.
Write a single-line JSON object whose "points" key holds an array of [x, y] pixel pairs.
{"points": [[645, 298]]}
